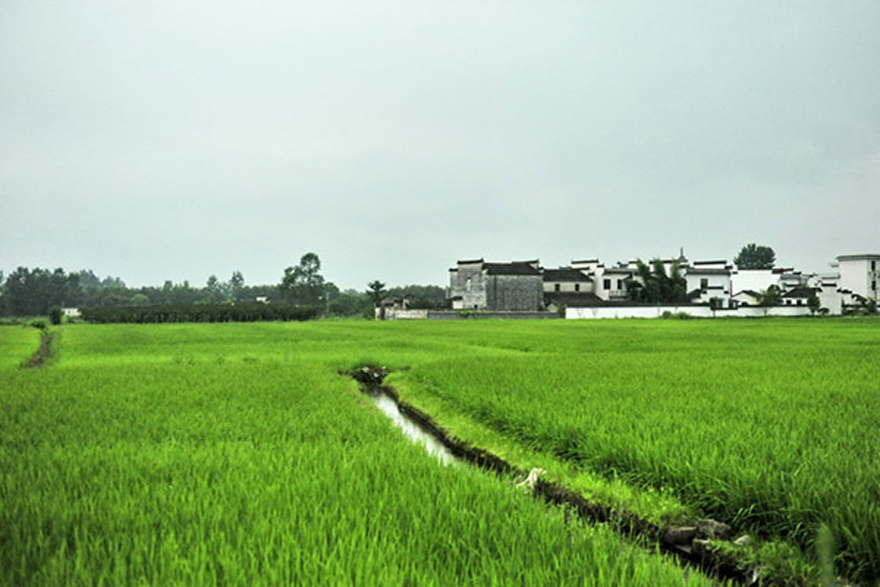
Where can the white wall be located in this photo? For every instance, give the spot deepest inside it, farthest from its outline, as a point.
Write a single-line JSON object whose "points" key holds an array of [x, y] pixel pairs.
{"points": [[856, 276], [756, 280], [395, 314], [696, 311], [830, 298]]}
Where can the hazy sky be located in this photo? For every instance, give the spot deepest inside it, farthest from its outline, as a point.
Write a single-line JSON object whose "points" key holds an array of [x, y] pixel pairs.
{"points": [[174, 140]]}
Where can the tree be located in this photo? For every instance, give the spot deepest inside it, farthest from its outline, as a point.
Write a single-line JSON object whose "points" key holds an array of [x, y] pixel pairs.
{"points": [[754, 256], [423, 297], [715, 304], [236, 284], [376, 291], [214, 290], [350, 303], [813, 303], [653, 285], [32, 293], [772, 296], [55, 315], [303, 284]]}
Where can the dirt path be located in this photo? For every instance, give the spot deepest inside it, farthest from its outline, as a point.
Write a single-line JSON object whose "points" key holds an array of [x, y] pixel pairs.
{"points": [[44, 353]]}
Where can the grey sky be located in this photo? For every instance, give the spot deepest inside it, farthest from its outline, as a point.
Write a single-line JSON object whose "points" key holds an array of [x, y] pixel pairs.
{"points": [[174, 140]]}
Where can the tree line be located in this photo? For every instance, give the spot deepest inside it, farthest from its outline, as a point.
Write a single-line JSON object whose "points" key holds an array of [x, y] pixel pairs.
{"points": [[33, 292]]}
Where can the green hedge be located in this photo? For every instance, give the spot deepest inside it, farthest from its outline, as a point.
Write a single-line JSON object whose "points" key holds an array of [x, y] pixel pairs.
{"points": [[157, 314]]}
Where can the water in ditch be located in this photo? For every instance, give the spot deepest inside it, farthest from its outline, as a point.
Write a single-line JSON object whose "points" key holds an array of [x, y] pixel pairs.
{"points": [[412, 430]]}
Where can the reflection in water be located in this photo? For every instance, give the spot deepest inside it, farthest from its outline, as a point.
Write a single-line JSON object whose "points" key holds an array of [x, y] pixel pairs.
{"points": [[411, 429]]}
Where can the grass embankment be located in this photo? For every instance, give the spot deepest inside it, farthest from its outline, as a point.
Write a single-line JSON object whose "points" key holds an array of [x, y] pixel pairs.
{"points": [[234, 454]]}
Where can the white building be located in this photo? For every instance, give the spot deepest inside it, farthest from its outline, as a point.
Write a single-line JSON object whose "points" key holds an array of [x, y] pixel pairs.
{"points": [[609, 283], [860, 275], [707, 280]]}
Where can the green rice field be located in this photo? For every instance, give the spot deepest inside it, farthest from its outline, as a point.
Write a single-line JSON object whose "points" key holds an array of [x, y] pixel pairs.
{"points": [[236, 453], [17, 344]]}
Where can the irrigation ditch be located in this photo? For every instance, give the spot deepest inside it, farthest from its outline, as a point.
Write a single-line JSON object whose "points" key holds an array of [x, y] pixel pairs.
{"points": [[704, 545]]}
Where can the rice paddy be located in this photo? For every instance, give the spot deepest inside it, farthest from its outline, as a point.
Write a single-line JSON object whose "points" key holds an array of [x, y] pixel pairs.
{"points": [[231, 454], [235, 453]]}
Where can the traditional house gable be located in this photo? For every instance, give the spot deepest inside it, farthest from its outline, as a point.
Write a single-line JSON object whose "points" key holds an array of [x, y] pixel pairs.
{"points": [[707, 280], [478, 285]]}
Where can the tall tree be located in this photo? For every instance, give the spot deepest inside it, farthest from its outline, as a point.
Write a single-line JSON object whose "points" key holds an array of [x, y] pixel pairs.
{"points": [[376, 291], [214, 290], [236, 284], [32, 293], [303, 284], [754, 256]]}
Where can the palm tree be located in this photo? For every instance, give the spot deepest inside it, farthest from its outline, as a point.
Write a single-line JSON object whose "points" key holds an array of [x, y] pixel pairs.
{"points": [[654, 286], [772, 296]]}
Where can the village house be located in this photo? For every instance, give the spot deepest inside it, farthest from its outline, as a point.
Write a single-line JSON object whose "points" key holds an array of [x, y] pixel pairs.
{"points": [[509, 287], [707, 280], [859, 278], [568, 287], [524, 286]]}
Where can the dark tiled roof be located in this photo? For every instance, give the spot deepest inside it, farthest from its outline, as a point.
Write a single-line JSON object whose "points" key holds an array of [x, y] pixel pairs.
{"points": [[749, 292], [800, 292], [698, 271], [620, 270], [471, 261], [564, 274], [510, 269], [719, 262], [573, 299]]}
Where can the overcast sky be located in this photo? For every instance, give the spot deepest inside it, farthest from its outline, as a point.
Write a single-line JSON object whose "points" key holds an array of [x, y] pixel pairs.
{"points": [[175, 140]]}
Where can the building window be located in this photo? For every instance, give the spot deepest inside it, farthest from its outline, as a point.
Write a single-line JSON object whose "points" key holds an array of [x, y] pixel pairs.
{"points": [[704, 283], [606, 284], [577, 287], [873, 265], [619, 284], [874, 285], [556, 287]]}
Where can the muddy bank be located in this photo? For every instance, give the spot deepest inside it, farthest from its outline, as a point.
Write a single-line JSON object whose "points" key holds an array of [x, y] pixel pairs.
{"points": [[44, 353], [691, 545]]}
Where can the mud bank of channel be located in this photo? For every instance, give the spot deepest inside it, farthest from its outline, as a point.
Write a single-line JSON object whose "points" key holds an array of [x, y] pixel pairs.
{"points": [[44, 352]]}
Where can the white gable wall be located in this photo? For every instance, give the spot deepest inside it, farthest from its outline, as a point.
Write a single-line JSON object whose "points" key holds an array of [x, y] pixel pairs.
{"points": [[757, 280]]}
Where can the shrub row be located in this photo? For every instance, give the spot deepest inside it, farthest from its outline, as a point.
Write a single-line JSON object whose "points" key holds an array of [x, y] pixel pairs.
{"points": [[240, 312]]}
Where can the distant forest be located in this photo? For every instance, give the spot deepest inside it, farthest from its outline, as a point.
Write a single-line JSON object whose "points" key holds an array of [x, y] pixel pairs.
{"points": [[33, 292]]}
